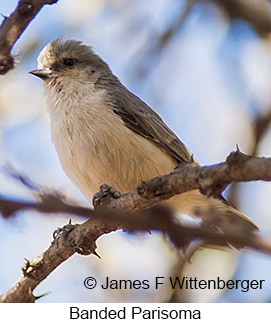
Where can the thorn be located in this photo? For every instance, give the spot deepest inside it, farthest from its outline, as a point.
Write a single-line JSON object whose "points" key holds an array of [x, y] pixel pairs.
{"points": [[182, 254], [42, 295], [192, 159], [96, 254], [5, 17], [70, 221], [188, 259], [235, 248], [25, 266], [237, 148]]}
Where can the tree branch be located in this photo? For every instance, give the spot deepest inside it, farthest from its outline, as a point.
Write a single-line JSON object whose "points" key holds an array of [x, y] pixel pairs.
{"points": [[13, 27], [82, 239], [210, 180], [122, 213], [63, 247], [47, 203], [256, 13]]}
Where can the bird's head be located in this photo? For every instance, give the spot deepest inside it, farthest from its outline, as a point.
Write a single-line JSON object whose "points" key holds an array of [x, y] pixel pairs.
{"points": [[69, 62]]}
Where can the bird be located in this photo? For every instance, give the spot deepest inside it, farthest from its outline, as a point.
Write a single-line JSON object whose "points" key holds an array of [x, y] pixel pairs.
{"points": [[103, 133]]}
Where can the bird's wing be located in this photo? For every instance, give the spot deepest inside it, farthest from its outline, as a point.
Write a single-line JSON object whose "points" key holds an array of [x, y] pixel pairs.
{"points": [[140, 118]]}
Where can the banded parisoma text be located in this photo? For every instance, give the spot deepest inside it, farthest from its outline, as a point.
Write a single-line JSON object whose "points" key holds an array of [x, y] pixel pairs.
{"points": [[134, 312]]}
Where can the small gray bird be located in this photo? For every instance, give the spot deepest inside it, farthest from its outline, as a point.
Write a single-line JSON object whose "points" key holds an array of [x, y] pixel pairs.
{"points": [[103, 133]]}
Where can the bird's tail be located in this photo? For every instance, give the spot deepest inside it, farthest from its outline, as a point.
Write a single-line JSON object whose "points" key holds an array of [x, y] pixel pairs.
{"points": [[215, 213]]}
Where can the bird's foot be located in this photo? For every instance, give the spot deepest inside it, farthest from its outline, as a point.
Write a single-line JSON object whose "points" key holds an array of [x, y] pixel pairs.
{"points": [[103, 197], [64, 230], [82, 247]]}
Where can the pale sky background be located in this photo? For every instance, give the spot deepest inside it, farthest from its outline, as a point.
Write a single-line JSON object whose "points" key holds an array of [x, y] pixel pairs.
{"points": [[207, 83]]}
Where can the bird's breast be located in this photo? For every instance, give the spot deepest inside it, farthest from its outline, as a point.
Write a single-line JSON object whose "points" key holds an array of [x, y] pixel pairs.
{"points": [[95, 147]]}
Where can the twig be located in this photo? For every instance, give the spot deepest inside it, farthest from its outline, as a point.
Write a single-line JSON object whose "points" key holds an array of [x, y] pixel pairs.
{"points": [[48, 203], [167, 35]]}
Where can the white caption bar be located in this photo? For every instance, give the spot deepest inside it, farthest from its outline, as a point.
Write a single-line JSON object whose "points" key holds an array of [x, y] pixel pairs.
{"points": [[137, 312]]}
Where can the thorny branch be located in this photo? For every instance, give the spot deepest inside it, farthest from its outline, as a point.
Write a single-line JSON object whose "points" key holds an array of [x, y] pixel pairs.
{"points": [[122, 215], [210, 180], [82, 239]]}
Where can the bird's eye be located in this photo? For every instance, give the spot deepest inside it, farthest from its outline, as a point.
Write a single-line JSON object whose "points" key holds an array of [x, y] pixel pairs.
{"points": [[69, 62]]}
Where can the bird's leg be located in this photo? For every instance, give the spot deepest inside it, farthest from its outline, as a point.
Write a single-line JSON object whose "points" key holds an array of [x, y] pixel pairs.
{"points": [[103, 197]]}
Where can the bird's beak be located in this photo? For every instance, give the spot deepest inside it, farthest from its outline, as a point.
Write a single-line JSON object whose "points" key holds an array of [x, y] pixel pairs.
{"points": [[43, 73]]}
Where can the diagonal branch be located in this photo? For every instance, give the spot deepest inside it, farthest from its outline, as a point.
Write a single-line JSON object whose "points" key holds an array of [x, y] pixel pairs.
{"points": [[82, 239], [122, 213], [13, 27]]}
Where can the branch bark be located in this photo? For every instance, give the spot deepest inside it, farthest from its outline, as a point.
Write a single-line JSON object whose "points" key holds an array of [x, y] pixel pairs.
{"points": [[83, 238], [121, 214], [12, 28], [63, 247], [210, 180]]}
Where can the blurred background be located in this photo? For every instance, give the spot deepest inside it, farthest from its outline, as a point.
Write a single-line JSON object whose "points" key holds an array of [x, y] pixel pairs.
{"points": [[204, 66]]}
